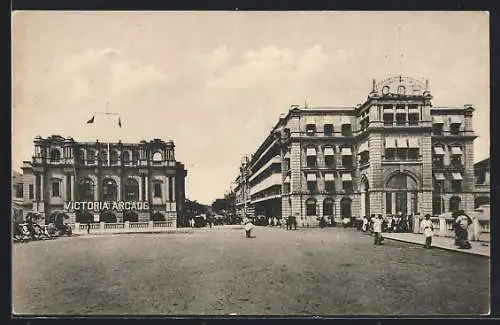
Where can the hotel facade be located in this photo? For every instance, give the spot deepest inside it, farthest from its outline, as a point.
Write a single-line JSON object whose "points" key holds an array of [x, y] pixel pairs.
{"points": [[393, 153], [143, 179]]}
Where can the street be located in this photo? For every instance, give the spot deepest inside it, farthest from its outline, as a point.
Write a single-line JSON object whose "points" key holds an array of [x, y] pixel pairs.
{"points": [[331, 271]]}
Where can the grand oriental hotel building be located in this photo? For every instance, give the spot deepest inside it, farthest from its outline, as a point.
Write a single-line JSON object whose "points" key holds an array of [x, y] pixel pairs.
{"points": [[118, 181], [393, 153]]}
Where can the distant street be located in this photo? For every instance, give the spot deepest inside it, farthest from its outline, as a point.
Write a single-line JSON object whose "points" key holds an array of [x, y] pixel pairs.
{"points": [[330, 271]]}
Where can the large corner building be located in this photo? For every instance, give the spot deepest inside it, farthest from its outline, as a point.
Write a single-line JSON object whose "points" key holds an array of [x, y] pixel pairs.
{"points": [[393, 153], [63, 171]]}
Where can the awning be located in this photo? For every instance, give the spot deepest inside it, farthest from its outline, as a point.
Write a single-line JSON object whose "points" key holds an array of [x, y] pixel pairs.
{"points": [[287, 155], [287, 179], [456, 176], [329, 151], [402, 143], [413, 143], [311, 177], [346, 152], [400, 110], [346, 177], [455, 120], [390, 142], [413, 110], [311, 151], [363, 147], [439, 176], [437, 120], [439, 151], [345, 120], [456, 151], [329, 177]]}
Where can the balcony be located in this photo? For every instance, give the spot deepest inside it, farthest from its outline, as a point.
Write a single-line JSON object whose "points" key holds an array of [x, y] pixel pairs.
{"points": [[274, 179]]}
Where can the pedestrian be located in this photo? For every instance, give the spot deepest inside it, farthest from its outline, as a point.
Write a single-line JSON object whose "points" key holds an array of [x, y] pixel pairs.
{"points": [[294, 222], [428, 230], [377, 229], [364, 228], [248, 227], [370, 223], [88, 227], [461, 224]]}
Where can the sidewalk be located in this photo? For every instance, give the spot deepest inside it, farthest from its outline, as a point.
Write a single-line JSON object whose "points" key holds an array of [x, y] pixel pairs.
{"points": [[441, 242], [84, 233]]}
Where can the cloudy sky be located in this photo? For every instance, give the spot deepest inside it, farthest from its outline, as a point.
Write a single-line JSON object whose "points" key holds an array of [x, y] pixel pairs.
{"points": [[216, 82]]}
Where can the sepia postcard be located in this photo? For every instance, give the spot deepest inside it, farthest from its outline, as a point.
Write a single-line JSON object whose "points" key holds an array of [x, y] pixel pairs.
{"points": [[250, 163]]}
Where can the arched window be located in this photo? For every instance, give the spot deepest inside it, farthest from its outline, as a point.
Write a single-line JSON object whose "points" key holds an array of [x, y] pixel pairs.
{"points": [[104, 157], [401, 194], [157, 216], [109, 190], [81, 156], [91, 156], [402, 182], [135, 156], [107, 216], [328, 207], [86, 189], [311, 207], [481, 200], [55, 155], [157, 157], [131, 190], [126, 157], [113, 157], [130, 216], [455, 203], [345, 207]]}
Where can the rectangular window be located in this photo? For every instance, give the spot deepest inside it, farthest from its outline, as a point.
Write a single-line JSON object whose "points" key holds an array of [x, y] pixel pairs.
{"points": [[328, 129], [170, 189], [157, 189], [437, 205], [456, 186], [400, 118], [401, 153], [364, 157], [413, 118], [347, 161], [329, 161], [311, 161], [55, 189], [310, 129], [388, 118], [438, 186], [388, 202], [438, 161], [437, 129], [347, 187], [312, 187], [330, 186], [456, 160], [455, 129], [390, 154], [19, 190], [413, 154], [30, 191], [346, 130]]}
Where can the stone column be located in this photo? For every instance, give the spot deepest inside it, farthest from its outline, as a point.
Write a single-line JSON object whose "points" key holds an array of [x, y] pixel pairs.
{"points": [[146, 188], [174, 198], [140, 188], [35, 187], [442, 226], [72, 187], [42, 196]]}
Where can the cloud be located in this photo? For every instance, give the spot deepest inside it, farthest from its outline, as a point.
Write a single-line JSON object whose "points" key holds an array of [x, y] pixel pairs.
{"points": [[100, 75]]}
